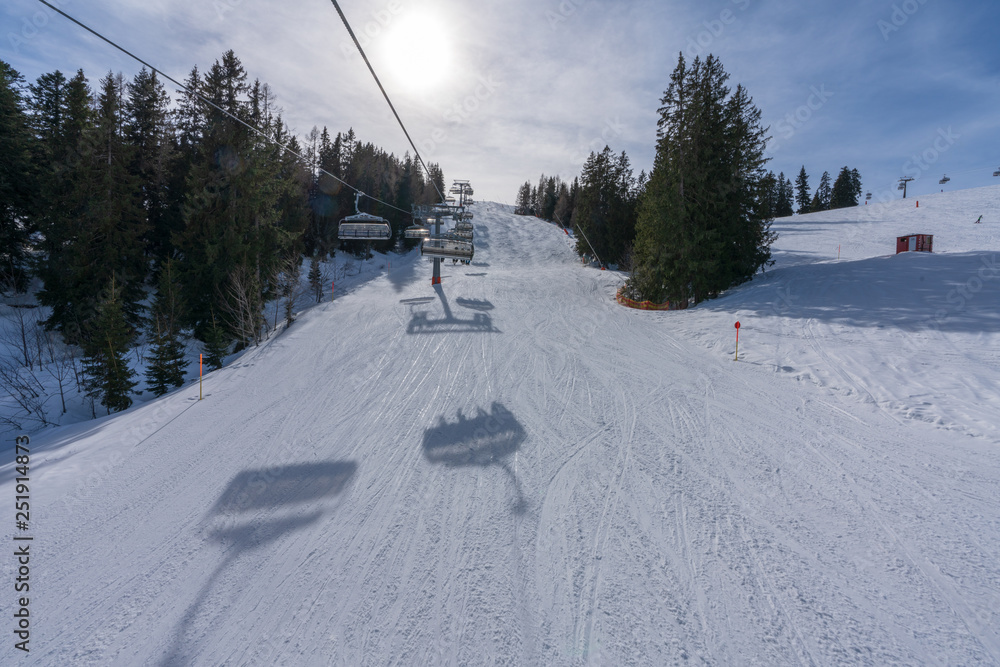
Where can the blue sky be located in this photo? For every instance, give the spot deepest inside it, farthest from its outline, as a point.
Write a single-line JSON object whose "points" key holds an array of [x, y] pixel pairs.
{"points": [[891, 87]]}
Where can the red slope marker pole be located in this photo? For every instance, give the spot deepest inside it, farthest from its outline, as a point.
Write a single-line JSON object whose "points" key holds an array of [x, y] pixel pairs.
{"points": [[201, 363], [333, 285], [737, 357]]}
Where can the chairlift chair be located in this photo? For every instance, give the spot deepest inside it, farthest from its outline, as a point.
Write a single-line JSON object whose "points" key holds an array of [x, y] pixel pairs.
{"points": [[900, 187], [997, 172], [464, 226], [443, 247], [944, 179], [416, 231], [868, 196], [363, 226]]}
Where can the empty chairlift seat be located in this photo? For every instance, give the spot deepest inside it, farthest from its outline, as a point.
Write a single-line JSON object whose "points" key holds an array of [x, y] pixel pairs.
{"points": [[364, 227], [447, 248], [416, 231]]}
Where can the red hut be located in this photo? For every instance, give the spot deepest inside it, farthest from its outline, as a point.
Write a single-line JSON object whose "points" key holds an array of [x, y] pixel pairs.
{"points": [[915, 243]]}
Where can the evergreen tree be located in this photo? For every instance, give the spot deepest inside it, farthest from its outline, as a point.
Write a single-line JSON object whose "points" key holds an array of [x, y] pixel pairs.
{"points": [[802, 191], [166, 363], [109, 378], [231, 216], [605, 206], [316, 279], [564, 206], [98, 235], [522, 204], [215, 344], [783, 199], [150, 135], [846, 189], [17, 180], [823, 193], [703, 223]]}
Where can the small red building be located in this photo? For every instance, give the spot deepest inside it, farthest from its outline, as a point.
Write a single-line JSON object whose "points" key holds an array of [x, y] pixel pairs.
{"points": [[915, 243]]}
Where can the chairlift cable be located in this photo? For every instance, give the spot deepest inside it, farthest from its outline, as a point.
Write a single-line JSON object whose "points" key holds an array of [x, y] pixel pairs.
{"points": [[371, 69], [207, 101]]}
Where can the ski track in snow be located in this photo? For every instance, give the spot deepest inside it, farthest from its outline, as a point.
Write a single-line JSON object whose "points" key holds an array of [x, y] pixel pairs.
{"points": [[512, 469]]}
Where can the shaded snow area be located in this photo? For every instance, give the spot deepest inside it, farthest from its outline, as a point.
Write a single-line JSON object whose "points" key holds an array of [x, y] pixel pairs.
{"points": [[512, 469]]}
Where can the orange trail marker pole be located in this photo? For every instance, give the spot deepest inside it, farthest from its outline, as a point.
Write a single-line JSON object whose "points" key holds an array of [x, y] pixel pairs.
{"points": [[201, 363], [737, 357], [333, 286], [838, 252]]}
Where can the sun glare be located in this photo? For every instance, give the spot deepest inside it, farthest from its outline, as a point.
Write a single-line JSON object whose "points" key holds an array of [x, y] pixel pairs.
{"points": [[418, 51]]}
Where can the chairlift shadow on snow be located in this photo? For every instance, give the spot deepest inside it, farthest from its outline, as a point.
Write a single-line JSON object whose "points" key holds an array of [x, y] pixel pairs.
{"points": [[423, 323], [487, 439], [474, 304], [238, 529]]}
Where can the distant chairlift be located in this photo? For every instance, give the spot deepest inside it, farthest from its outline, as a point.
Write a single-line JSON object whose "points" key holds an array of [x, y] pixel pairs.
{"points": [[868, 196], [901, 187], [445, 247], [997, 172], [416, 231], [944, 179], [363, 226]]}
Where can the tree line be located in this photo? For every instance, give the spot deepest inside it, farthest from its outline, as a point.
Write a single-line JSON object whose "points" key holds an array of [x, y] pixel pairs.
{"points": [[700, 223], [146, 217]]}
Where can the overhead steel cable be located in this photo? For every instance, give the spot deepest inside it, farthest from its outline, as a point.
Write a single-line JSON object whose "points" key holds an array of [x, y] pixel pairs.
{"points": [[202, 98], [371, 69]]}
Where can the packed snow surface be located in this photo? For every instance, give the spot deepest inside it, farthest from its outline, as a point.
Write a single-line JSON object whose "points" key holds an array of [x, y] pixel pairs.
{"points": [[512, 469]]}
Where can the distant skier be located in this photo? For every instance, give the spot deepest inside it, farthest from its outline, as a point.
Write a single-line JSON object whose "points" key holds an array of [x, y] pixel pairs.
{"points": [[980, 220]]}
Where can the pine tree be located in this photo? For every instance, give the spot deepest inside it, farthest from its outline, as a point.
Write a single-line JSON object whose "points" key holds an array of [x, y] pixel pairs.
{"points": [[109, 378], [802, 197], [703, 224], [605, 206], [93, 223], [316, 279], [215, 344], [18, 180], [824, 193], [150, 135], [522, 205], [783, 199], [846, 189], [166, 363], [785, 208]]}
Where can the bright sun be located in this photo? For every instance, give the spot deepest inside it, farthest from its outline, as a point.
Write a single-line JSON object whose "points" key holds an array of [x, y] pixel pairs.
{"points": [[418, 51]]}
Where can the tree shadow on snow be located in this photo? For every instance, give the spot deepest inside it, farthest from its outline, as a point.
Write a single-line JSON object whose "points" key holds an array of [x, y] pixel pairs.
{"points": [[484, 440], [423, 323], [912, 291], [237, 524]]}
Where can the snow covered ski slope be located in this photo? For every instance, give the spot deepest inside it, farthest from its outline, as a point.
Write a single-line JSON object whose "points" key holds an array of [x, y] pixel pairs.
{"points": [[511, 469]]}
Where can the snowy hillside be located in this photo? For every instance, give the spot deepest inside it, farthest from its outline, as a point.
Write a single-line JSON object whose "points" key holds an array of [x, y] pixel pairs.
{"points": [[512, 469]]}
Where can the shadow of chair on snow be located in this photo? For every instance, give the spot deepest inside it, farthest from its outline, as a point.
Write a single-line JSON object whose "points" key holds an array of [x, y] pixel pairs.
{"points": [[422, 323], [487, 439], [235, 524]]}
